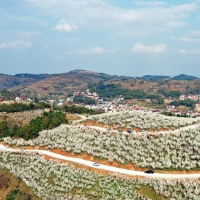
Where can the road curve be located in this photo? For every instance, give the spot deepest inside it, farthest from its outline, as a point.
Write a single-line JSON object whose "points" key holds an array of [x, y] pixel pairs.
{"points": [[103, 167], [186, 128]]}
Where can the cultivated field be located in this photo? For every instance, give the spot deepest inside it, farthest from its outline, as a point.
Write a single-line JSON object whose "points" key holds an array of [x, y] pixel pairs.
{"points": [[172, 150], [53, 180], [20, 118], [138, 120]]}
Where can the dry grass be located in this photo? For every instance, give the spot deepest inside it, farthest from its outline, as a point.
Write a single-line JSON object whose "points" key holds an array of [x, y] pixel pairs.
{"points": [[150, 193], [72, 117], [9, 182]]}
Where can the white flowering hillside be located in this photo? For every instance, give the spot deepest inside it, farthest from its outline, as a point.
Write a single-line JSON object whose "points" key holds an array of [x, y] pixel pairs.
{"points": [[51, 180], [139, 119], [163, 151]]}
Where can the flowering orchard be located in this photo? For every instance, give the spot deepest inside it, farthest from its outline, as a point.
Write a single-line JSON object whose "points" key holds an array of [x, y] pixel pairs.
{"points": [[52, 180], [172, 150], [139, 119]]}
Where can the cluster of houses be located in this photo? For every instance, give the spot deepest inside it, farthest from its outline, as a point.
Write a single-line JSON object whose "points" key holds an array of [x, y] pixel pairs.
{"points": [[114, 105], [174, 111], [108, 106], [182, 98], [190, 96], [88, 94], [104, 106], [22, 97], [188, 113]]}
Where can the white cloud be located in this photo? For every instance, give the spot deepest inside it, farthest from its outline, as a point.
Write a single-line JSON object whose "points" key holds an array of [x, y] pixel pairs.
{"points": [[29, 34], [175, 24], [64, 26], [25, 19], [136, 32], [94, 51], [35, 0], [195, 32], [125, 33], [127, 16], [57, 57], [118, 48], [150, 3], [15, 45], [196, 51], [142, 31], [182, 51], [140, 48], [102, 14], [185, 39], [186, 7]]}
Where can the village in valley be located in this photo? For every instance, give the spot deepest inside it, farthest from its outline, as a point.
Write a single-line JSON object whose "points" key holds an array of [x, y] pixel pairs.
{"points": [[114, 104]]}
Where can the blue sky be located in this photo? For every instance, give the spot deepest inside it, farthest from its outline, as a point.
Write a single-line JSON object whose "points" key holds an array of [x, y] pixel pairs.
{"points": [[121, 37]]}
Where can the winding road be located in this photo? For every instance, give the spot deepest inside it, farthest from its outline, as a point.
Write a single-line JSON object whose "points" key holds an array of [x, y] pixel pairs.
{"points": [[103, 167], [186, 128]]}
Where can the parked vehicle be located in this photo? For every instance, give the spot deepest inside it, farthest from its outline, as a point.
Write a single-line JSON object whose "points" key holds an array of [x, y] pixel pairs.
{"points": [[129, 131], [149, 171]]}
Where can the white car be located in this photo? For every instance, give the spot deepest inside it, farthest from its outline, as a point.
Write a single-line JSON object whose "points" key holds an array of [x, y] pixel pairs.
{"points": [[143, 131], [96, 164]]}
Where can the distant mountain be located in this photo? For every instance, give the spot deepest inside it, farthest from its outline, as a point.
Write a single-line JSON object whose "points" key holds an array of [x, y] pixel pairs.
{"points": [[60, 85], [153, 77], [184, 77], [32, 76], [7, 81], [19, 80]]}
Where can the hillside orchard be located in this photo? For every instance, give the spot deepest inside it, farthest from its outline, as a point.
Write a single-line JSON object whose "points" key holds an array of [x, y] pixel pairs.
{"points": [[172, 150], [53, 180], [139, 119]]}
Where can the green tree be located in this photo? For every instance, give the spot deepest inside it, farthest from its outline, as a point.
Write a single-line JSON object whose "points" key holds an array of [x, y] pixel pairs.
{"points": [[18, 195]]}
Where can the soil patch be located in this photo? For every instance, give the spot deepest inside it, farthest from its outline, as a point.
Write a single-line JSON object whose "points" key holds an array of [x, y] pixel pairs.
{"points": [[4, 182], [126, 128]]}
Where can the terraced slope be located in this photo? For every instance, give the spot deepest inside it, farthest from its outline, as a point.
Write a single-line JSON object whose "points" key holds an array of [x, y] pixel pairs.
{"points": [[52, 180], [172, 150], [138, 120]]}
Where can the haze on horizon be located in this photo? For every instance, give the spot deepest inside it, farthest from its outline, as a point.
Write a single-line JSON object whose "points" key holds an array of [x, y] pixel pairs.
{"points": [[119, 37]]}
